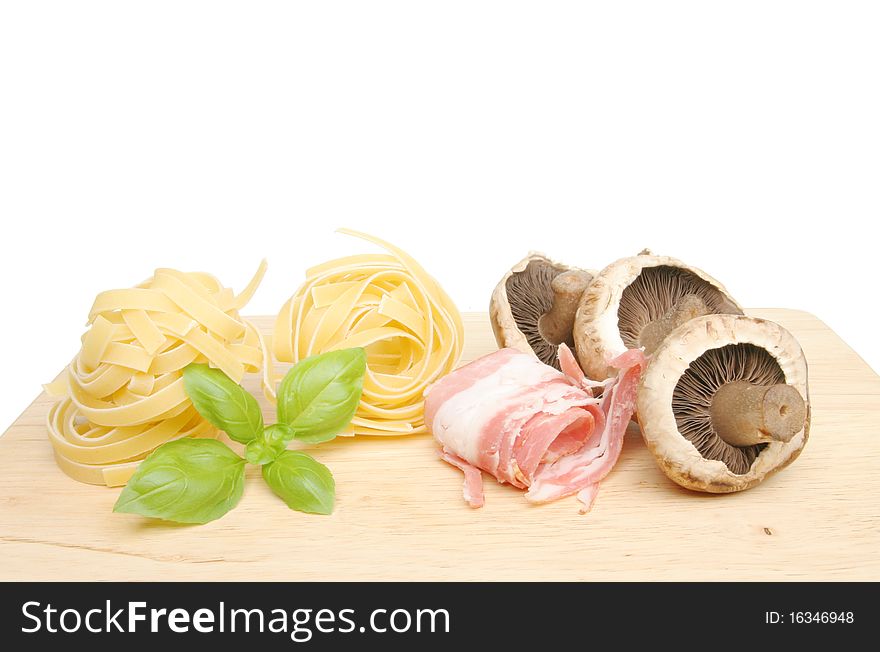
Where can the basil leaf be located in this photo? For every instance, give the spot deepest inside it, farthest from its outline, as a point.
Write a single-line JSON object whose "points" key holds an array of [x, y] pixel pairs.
{"points": [[304, 484], [268, 446], [319, 395], [187, 481], [224, 403]]}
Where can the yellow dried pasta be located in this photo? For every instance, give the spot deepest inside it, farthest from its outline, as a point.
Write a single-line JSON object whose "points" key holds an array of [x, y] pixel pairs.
{"points": [[388, 304], [122, 396]]}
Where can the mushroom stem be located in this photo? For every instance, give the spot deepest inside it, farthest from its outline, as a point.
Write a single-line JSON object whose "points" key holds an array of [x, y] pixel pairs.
{"points": [[686, 308], [744, 414], [556, 324]]}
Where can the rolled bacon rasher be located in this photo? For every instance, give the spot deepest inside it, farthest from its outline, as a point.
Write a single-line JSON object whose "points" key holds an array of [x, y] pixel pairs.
{"points": [[527, 424]]}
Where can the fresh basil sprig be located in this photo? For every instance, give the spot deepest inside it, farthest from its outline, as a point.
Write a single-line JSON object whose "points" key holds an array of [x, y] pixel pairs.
{"points": [[304, 484], [187, 480], [319, 396], [200, 480], [268, 446], [225, 404]]}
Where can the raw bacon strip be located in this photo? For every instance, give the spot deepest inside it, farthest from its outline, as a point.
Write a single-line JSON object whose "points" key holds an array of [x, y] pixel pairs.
{"points": [[587, 497], [473, 479], [570, 366], [465, 377], [530, 425], [595, 460]]}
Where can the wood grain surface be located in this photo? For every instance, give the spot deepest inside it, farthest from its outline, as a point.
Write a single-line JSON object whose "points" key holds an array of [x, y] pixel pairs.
{"points": [[400, 514]]}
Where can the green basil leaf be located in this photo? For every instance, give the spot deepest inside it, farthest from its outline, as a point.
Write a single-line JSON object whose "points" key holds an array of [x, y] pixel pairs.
{"points": [[225, 404], [304, 484], [268, 446], [187, 481], [319, 395]]}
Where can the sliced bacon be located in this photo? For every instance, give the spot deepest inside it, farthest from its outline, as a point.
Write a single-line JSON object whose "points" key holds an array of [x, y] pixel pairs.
{"points": [[465, 377], [627, 359], [473, 479], [588, 497], [594, 461], [530, 425], [570, 366], [547, 437]]}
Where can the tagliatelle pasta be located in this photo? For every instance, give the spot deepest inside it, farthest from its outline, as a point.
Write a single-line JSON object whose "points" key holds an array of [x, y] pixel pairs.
{"points": [[387, 304], [122, 396]]}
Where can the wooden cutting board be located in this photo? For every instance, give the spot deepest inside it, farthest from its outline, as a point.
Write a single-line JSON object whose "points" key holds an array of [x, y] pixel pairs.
{"points": [[400, 515]]}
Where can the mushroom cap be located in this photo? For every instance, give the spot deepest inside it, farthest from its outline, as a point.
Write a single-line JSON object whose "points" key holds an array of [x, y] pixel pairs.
{"points": [[508, 333], [677, 456], [597, 330]]}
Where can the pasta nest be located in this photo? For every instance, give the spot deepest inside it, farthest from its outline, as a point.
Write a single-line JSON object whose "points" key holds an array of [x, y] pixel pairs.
{"points": [[389, 305], [122, 396]]}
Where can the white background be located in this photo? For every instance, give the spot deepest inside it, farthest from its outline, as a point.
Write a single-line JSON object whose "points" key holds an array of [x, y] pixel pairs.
{"points": [[742, 137]]}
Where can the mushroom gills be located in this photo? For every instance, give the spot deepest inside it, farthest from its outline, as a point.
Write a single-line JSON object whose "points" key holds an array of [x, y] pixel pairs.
{"points": [[732, 401], [662, 298], [543, 301]]}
